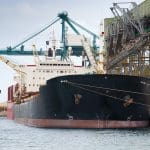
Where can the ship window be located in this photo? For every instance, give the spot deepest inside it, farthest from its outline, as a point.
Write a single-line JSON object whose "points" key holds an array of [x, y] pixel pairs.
{"points": [[39, 77], [62, 64], [33, 70], [54, 64], [43, 77], [61, 71], [33, 77], [51, 71], [58, 64], [47, 71], [29, 84], [33, 84], [37, 85], [43, 70]]}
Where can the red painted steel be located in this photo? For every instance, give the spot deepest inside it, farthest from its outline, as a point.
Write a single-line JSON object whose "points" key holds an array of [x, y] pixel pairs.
{"points": [[93, 124], [10, 114]]}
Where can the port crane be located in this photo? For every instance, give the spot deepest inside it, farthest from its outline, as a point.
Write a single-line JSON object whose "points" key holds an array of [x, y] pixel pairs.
{"points": [[63, 17], [91, 51]]}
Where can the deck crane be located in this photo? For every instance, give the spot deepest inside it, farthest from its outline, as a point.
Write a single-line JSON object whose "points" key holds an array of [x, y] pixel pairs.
{"points": [[18, 70], [12, 65]]}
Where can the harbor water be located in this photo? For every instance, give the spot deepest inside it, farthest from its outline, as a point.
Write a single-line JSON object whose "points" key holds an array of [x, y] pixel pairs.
{"points": [[14, 136]]}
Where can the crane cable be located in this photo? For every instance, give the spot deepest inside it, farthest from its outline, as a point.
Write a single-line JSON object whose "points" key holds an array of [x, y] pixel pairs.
{"points": [[99, 93]]}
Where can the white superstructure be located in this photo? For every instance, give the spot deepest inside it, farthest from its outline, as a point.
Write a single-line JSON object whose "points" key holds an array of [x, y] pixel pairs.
{"points": [[36, 75]]}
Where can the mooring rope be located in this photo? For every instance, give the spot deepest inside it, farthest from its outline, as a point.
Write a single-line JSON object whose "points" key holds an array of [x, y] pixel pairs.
{"points": [[112, 89], [77, 85]]}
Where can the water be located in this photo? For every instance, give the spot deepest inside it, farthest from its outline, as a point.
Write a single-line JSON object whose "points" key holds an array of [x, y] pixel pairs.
{"points": [[14, 136]]}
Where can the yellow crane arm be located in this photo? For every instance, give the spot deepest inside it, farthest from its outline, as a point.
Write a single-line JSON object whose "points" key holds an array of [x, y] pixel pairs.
{"points": [[11, 65]]}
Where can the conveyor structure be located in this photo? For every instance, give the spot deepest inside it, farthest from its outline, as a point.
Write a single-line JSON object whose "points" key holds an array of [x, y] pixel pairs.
{"points": [[127, 41]]}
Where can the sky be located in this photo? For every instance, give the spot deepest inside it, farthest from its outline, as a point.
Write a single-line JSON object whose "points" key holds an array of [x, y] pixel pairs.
{"points": [[21, 18]]}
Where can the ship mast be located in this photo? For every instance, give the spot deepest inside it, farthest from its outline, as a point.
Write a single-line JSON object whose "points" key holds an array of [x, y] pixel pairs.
{"points": [[53, 44], [51, 47]]}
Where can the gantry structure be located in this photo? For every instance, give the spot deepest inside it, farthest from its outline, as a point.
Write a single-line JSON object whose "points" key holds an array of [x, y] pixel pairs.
{"points": [[65, 21], [127, 39]]}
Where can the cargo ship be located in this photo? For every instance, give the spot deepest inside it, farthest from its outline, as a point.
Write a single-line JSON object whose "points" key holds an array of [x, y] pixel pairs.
{"points": [[57, 94], [87, 101]]}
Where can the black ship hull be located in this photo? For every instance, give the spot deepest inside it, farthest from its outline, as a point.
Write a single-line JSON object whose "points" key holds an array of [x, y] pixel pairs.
{"points": [[88, 101]]}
